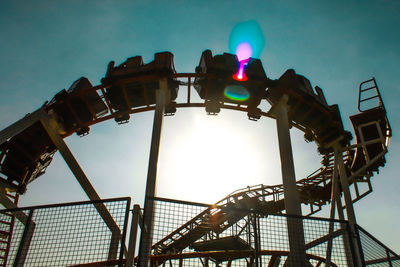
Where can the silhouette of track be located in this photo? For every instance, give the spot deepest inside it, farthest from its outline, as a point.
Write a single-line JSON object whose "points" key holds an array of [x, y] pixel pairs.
{"points": [[25, 156]]}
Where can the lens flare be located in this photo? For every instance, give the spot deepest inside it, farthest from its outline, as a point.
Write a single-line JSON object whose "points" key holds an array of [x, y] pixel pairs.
{"points": [[243, 54], [246, 40], [236, 92], [244, 51], [247, 32], [240, 75]]}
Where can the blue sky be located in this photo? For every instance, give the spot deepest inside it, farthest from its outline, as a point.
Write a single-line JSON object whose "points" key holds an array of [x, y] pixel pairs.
{"points": [[46, 45]]}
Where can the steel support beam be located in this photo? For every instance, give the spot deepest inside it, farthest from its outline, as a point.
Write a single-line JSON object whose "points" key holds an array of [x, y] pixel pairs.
{"points": [[25, 241], [146, 235], [336, 203], [334, 197], [136, 219], [351, 217], [297, 255], [48, 123]]}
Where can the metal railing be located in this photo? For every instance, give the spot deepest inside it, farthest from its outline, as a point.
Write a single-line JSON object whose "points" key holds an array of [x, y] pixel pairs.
{"points": [[68, 234], [374, 252]]}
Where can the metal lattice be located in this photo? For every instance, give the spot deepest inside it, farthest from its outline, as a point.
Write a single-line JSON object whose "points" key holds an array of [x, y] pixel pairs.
{"points": [[375, 253], [251, 236], [68, 234]]}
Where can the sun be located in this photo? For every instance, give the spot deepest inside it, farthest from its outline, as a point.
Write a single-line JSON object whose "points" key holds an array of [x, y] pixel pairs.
{"points": [[204, 158]]}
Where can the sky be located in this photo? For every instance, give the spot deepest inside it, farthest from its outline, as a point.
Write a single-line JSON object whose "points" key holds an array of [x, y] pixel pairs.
{"points": [[47, 45]]}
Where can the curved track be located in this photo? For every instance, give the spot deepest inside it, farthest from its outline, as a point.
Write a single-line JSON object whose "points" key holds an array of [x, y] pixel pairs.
{"points": [[26, 155]]}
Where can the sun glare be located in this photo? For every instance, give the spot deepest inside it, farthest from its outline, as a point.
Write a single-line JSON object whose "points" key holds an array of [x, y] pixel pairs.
{"points": [[214, 156]]}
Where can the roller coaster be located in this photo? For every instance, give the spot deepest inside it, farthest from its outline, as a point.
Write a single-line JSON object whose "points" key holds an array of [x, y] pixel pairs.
{"points": [[28, 146]]}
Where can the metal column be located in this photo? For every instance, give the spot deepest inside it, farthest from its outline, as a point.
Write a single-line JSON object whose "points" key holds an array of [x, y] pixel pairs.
{"points": [[345, 184], [351, 217], [297, 256], [25, 242], [146, 235], [136, 220], [83, 181], [334, 197], [336, 203]]}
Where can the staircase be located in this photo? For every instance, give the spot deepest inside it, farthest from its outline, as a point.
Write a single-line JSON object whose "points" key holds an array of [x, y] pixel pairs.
{"points": [[7, 220], [314, 191], [214, 220]]}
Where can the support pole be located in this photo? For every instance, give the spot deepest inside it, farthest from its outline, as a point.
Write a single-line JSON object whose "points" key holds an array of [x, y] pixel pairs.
{"points": [[336, 203], [84, 182], [136, 219], [345, 184], [334, 197], [256, 240], [25, 241], [351, 217], [297, 255], [146, 235]]}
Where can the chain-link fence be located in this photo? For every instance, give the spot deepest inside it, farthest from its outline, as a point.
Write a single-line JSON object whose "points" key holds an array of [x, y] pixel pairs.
{"points": [[65, 234]]}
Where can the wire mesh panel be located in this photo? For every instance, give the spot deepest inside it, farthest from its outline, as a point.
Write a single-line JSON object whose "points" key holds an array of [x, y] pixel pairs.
{"points": [[190, 234], [69, 234], [169, 217], [328, 241], [375, 253]]}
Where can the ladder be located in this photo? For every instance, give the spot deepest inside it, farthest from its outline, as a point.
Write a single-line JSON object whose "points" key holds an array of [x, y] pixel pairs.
{"points": [[369, 91], [7, 221]]}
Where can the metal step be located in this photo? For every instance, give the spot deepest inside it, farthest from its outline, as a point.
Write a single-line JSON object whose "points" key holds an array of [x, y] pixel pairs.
{"points": [[7, 230]]}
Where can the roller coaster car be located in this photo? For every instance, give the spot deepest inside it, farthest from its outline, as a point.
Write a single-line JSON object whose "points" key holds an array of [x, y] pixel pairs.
{"points": [[25, 157], [134, 84], [370, 125], [74, 108], [218, 85], [310, 109]]}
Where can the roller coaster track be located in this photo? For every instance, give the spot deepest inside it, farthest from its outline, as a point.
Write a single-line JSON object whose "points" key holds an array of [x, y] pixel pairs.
{"points": [[25, 156], [314, 190], [29, 161]]}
